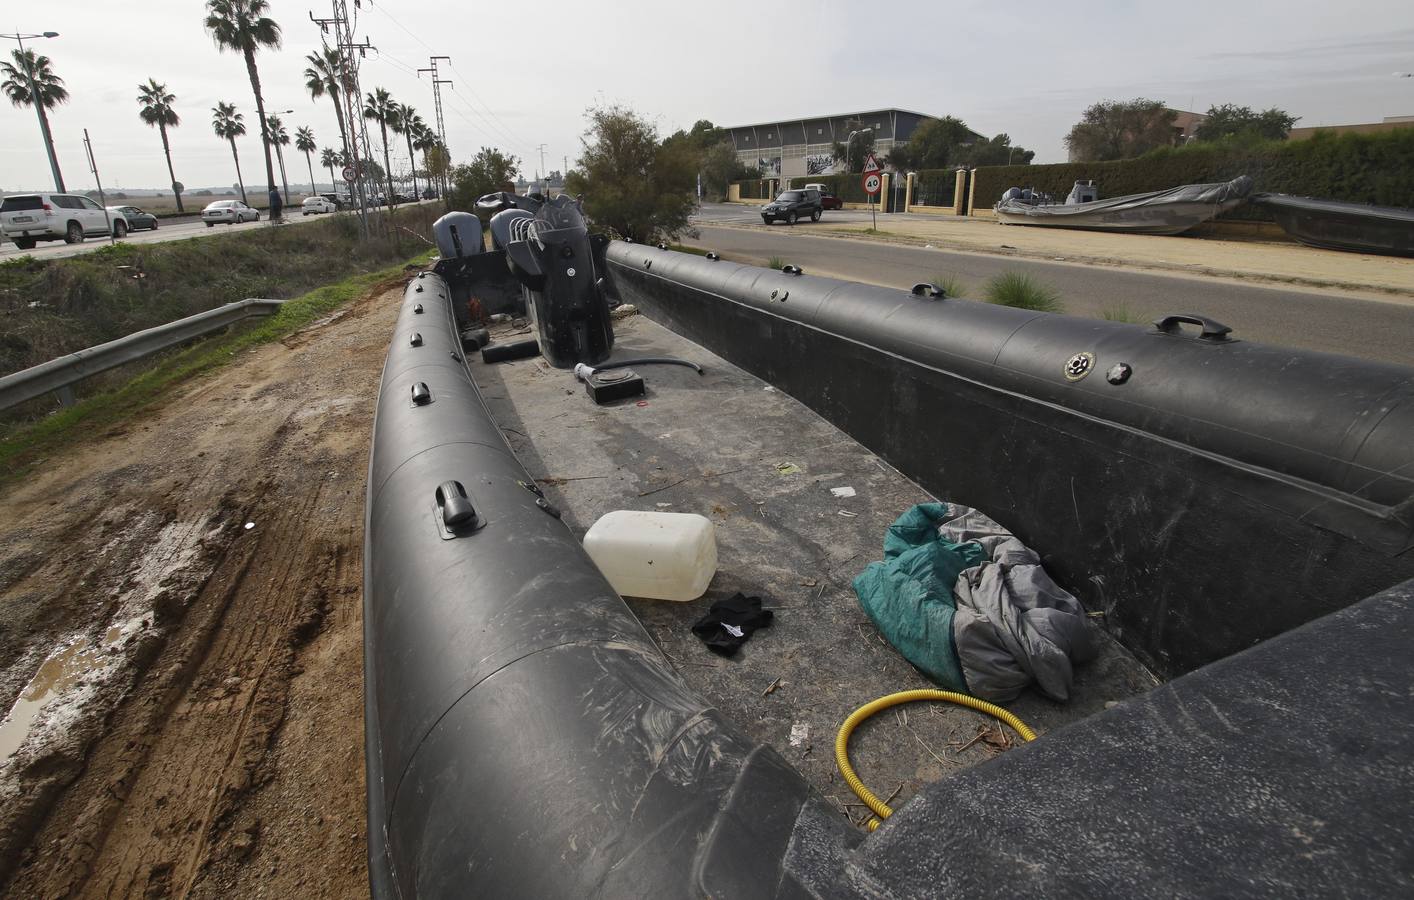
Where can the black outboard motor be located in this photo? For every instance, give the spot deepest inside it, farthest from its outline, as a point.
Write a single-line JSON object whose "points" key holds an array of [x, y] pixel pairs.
{"points": [[549, 250]]}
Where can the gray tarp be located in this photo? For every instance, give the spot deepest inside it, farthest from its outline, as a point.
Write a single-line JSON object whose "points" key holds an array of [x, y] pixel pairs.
{"points": [[1159, 212], [1013, 623]]}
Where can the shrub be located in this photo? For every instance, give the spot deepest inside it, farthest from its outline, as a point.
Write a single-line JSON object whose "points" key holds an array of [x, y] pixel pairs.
{"points": [[1121, 313], [775, 262], [949, 285], [1022, 292]]}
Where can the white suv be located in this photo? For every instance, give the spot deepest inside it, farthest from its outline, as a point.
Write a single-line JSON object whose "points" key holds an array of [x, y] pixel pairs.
{"points": [[29, 218]]}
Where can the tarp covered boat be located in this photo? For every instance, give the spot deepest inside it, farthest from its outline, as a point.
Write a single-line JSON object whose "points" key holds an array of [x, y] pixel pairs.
{"points": [[1338, 225], [1173, 211]]}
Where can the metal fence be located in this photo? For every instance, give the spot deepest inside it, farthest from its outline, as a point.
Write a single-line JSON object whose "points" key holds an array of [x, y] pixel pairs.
{"points": [[58, 375]]}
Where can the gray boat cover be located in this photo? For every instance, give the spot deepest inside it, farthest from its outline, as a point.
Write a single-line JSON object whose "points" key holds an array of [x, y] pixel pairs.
{"points": [[1164, 212], [971, 606], [1013, 624]]}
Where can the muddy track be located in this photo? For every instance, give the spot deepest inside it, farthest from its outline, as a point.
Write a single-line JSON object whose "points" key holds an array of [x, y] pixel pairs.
{"points": [[198, 682]]}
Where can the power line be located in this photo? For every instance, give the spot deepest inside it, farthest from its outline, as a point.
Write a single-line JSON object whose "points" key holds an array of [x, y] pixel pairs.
{"points": [[467, 81], [499, 125], [437, 82]]}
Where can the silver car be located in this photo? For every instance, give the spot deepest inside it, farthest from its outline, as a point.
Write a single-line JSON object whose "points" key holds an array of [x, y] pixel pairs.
{"points": [[231, 212]]}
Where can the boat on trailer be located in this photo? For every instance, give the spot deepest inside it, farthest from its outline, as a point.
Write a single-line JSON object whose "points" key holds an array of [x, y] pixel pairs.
{"points": [[1173, 211], [1237, 518], [1338, 225]]}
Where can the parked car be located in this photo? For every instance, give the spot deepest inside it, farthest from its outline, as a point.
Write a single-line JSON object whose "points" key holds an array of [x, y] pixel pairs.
{"points": [[339, 202], [793, 205], [830, 201], [29, 218], [231, 212], [429, 194], [313, 206], [137, 219]]}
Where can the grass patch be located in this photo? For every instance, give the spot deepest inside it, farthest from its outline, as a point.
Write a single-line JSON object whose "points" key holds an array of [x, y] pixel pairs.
{"points": [[1121, 313], [50, 307], [949, 285], [683, 248], [27, 443], [1022, 292], [775, 262]]}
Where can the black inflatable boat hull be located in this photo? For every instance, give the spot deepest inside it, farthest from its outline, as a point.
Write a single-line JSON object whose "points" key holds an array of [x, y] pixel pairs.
{"points": [[1336, 225], [1181, 501]]}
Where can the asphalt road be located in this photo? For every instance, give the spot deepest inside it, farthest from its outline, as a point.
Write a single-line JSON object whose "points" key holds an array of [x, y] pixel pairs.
{"points": [[1380, 329], [186, 227], [182, 228]]}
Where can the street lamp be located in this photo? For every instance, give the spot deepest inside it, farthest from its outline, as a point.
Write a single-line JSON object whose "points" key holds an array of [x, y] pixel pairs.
{"points": [[38, 108], [850, 141]]}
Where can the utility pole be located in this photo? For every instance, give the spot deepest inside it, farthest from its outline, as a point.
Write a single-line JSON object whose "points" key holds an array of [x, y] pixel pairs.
{"points": [[351, 96], [39, 108], [437, 82], [102, 198], [544, 173]]}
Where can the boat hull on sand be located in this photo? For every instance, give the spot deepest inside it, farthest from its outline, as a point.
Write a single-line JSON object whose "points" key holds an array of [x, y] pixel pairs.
{"points": [[1336, 225], [1173, 211]]}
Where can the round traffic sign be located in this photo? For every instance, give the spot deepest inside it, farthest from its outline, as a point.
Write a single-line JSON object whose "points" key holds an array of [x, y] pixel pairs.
{"points": [[872, 183], [349, 173]]}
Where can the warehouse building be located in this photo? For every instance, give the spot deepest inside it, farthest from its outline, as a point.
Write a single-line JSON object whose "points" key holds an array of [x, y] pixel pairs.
{"points": [[793, 147]]}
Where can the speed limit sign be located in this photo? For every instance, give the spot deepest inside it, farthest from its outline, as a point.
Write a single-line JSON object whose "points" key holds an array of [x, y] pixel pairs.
{"points": [[349, 173], [872, 183]]}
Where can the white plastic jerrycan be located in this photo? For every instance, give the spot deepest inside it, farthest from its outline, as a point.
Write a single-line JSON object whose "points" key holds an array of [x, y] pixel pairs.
{"points": [[660, 555]]}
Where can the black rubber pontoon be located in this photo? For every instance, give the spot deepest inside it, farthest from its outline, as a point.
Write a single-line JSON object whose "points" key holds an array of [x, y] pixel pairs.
{"points": [[526, 738]]}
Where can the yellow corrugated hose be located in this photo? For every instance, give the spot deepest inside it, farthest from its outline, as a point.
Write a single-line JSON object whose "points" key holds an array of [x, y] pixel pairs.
{"points": [[881, 809]]}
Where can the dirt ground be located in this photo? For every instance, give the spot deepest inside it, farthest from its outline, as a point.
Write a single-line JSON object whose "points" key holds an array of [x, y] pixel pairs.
{"points": [[181, 636]]}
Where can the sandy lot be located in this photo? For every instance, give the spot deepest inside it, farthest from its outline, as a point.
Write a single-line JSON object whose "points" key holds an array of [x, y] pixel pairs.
{"points": [[181, 636], [1261, 260]]}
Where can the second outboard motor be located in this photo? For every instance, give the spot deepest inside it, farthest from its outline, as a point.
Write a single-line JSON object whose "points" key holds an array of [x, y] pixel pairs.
{"points": [[549, 250], [458, 234]]}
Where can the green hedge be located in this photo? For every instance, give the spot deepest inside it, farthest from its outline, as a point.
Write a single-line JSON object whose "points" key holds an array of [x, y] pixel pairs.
{"points": [[753, 189], [934, 187], [1360, 168]]}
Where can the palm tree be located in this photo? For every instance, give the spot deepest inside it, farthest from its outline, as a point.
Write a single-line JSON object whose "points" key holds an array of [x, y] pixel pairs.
{"points": [[229, 125], [379, 107], [280, 138], [34, 76], [304, 143], [157, 111], [407, 124], [323, 77], [437, 159], [331, 158], [242, 26]]}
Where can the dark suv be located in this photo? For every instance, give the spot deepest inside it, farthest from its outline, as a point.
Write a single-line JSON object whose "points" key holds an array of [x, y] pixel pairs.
{"points": [[792, 205]]}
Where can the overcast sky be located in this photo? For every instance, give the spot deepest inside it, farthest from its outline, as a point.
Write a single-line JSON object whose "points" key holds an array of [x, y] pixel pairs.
{"points": [[523, 75]]}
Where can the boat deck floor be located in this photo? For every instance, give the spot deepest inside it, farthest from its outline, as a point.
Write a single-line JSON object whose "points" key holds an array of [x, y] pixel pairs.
{"points": [[760, 465]]}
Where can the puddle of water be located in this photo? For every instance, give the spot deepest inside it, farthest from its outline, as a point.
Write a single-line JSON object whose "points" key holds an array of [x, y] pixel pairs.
{"points": [[172, 550], [61, 671]]}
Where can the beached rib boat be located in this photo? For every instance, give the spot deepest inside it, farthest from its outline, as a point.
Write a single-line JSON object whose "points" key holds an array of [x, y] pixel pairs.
{"points": [[1173, 211], [1224, 509], [1337, 225]]}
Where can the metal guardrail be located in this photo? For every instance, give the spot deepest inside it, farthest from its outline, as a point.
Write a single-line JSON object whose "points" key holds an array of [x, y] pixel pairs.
{"points": [[58, 374]]}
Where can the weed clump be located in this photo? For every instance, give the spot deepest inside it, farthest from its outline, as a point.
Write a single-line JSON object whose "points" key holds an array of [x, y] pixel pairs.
{"points": [[1022, 292]]}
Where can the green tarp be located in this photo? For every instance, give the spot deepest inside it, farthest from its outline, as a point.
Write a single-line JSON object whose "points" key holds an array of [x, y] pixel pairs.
{"points": [[909, 595]]}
